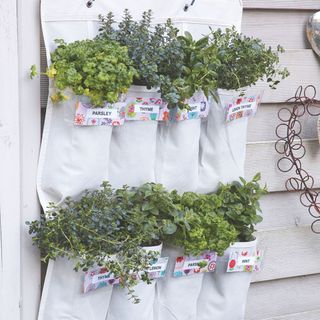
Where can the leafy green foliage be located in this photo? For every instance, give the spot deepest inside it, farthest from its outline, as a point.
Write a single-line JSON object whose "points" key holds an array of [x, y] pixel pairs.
{"points": [[98, 69], [92, 231], [198, 72], [240, 205], [156, 52], [108, 227], [33, 71], [244, 60], [204, 230]]}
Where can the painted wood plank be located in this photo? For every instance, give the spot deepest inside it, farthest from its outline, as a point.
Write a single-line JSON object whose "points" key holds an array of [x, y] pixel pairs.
{"points": [[262, 157], [29, 53], [289, 252], [282, 4], [304, 67], [309, 315], [276, 215], [262, 126], [10, 288], [268, 25], [278, 298]]}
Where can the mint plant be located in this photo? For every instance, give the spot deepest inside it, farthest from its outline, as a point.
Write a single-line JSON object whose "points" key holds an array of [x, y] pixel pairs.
{"points": [[240, 205]]}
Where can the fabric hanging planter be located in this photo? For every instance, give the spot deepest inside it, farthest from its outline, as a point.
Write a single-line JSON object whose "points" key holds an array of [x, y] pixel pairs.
{"points": [[75, 158], [223, 294]]}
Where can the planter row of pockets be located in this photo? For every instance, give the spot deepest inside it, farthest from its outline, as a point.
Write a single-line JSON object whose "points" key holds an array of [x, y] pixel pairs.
{"points": [[217, 294], [150, 107]]}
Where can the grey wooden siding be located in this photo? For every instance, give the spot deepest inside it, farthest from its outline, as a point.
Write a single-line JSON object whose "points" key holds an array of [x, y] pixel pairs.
{"points": [[287, 287]]}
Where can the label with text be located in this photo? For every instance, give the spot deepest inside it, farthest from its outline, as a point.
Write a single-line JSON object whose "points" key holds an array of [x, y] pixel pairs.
{"points": [[245, 260], [188, 265], [242, 106], [144, 109], [109, 115]]}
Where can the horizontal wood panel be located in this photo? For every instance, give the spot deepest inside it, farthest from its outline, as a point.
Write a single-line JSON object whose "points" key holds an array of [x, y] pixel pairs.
{"points": [[262, 157], [283, 210], [274, 27], [282, 4], [289, 252], [287, 296], [263, 125], [304, 68], [310, 315]]}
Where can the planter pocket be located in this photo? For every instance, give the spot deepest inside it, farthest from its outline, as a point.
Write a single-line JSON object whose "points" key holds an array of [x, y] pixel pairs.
{"points": [[177, 297], [222, 145], [62, 296], [122, 308], [224, 294], [133, 147]]}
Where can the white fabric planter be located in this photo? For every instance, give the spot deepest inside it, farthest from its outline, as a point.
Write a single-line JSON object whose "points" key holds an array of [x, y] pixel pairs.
{"points": [[62, 298], [122, 308], [76, 158], [177, 297], [223, 295], [222, 145]]}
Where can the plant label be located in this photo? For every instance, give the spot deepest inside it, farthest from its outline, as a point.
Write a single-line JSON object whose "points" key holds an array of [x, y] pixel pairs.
{"points": [[110, 115], [144, 109], [245, 260], [242, 106], [188, 265], [98, 278], [198, 108], [158, 269]]}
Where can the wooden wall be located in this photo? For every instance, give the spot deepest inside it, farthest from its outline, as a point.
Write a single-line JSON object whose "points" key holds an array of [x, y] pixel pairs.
{"points": [[288, 285]]}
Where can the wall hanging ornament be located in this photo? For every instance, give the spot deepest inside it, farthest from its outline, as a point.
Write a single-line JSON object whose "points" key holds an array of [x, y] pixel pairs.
{"points": [[313, 32], [290, 147]]}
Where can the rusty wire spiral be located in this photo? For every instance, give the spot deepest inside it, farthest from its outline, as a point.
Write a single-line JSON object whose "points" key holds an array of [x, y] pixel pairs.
{"points": [[290, 146]]}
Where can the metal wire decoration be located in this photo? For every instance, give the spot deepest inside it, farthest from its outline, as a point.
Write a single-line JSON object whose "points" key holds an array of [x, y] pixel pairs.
{"points": [[290, 146]]}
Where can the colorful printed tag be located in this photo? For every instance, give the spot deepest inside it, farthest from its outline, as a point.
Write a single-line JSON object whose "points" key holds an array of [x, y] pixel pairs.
{"points": [[188, 265], [158, 269], [198, 108], [143, 108], [245, 260], [109, 115], [242, 106], [98, 278]]}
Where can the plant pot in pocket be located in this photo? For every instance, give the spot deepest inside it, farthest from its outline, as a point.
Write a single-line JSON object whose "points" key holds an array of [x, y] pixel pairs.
{"points": [[122, 308], [224, 294]]}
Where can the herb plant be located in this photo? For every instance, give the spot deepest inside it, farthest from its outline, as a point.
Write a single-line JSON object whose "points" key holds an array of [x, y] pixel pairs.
{"points": [[99, 69], [240, 205], [205, 229], [96, 230], [245, 60], [156, 52]]}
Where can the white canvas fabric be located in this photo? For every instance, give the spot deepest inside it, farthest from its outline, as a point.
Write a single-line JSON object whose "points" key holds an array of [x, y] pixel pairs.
{"points": [[122, 308], [62, 297], [75, 158], [133, 147], [222, 145], [224, 295], [176, 298]]}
